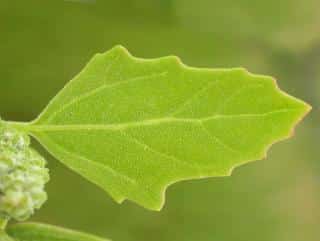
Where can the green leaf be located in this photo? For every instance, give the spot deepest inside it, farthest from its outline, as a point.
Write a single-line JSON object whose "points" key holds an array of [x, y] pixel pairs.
{"points": [[135, 126], [44, 232]]}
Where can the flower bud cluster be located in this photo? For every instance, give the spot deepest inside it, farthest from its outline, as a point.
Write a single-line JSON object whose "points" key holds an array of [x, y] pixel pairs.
{"points": [[23, 175]]}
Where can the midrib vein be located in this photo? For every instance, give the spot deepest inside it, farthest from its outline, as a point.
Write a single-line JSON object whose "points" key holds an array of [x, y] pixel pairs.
{"points": [[149, 122]]}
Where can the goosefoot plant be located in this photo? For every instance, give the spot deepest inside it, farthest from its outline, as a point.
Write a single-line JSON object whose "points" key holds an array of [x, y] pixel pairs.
{"points": [[133, 127]]}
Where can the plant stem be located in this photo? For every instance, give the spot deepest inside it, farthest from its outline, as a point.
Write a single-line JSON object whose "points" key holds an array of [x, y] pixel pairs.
{"points": [[18, 125]]}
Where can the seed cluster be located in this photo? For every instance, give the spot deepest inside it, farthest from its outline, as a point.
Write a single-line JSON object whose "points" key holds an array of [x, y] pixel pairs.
{"points": [[23, 175]]}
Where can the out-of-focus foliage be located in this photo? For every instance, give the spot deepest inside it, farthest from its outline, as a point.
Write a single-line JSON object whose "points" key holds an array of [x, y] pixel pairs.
{"points": [[43, 44], [290, 24]]}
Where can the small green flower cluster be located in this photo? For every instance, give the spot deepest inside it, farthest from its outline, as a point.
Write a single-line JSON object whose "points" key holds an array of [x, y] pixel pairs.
{"points": [[23, 175]]}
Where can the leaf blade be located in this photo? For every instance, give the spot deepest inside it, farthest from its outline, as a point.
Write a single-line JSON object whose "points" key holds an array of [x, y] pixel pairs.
{"points": [[135, 126]]}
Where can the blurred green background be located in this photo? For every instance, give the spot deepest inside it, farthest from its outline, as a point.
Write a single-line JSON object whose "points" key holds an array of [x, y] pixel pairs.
{"points": [[43, 44]]}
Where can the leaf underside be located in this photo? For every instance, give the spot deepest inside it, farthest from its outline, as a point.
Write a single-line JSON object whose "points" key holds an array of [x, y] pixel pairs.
{"points": [[134, 126], [44, 232]]}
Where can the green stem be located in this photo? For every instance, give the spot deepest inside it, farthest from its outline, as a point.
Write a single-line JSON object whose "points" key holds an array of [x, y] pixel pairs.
{"points": [[22, 126]]}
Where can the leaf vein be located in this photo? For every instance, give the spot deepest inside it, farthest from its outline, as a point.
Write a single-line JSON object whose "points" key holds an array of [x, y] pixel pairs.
{"points": [[235, 94], [101, 88], [218, 140], [168, 156], [193, 97], [104, 166], [147, 122]]}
